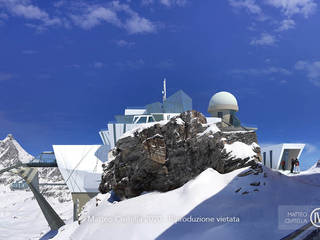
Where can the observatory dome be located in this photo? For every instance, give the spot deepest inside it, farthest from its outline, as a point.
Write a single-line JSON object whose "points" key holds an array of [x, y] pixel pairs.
{"points": [[223, 101]]}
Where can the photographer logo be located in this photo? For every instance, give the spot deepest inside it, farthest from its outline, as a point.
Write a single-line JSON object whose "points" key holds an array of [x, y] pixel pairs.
{"points": [[315, 217]]}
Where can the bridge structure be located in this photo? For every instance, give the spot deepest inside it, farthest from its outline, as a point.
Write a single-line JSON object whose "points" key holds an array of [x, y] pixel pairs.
{"points": [[29, 173]]}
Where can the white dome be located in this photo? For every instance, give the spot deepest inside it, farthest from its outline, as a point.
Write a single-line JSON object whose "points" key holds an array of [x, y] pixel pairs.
{"points": [[223, 101]]}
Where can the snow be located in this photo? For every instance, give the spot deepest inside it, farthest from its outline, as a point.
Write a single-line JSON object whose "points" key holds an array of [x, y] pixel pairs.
{"points": [[141, 127], [24, 157], [240, 150], [180, 121], [209, 196], [21, 217], [157, 211], [212, 129]]}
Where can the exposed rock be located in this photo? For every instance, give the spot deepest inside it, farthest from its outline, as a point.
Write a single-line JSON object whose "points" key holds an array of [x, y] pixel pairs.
{"points": [[238, 190], [246, 192], [256, 190], [256, 184], [163, 157]]}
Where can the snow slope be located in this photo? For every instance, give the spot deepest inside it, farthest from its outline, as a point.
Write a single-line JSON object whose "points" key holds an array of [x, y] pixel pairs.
{"points": [[20, 216], [249, 213]]}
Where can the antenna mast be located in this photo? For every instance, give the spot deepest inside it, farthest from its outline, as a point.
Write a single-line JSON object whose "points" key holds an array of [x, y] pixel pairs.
{"points": [[164, 92]]}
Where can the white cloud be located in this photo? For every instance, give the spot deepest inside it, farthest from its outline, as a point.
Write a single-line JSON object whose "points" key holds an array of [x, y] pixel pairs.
{"points": [[117, 14], [286, 24], [24, 9], [312, 70], [80, 14], [250, 5], [170, 3], [95, 16], [265, 11], [124, 43], [265, 39], [292, 7], [137, 24]]}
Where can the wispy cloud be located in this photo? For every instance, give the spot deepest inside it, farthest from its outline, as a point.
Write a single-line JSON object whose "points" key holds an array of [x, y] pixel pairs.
{"points": [[124, 43], [262, 71], [6, 76], [82, 14], [25, 9], [116, 13], [264, 11], [293, 7], [131, 64], [265, 39], [29, 52], [98, 65], [249, 5], [286, 24], [165, 64], [312, 70], [170, 3]]}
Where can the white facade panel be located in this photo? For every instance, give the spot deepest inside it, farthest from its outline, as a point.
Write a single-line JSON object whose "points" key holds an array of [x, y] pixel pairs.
{"points": [[134, 111], [213, 120], [81, 165], [273, 155]]}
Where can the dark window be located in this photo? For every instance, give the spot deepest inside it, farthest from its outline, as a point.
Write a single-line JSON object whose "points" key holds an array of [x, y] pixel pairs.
{"points": [[270, 159], [142, 120], [151, 119], [220, 114], [264, 158]]}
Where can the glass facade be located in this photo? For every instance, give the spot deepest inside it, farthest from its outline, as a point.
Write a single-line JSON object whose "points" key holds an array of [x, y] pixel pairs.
{"points": [[177, 103], [234, 120]]}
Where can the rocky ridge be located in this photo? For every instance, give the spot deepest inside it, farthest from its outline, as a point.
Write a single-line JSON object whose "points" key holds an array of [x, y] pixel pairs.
{"points": [[166, 155]]}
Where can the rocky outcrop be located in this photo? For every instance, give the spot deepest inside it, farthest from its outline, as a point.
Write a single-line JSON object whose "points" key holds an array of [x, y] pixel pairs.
{"points": [[165, 156]]}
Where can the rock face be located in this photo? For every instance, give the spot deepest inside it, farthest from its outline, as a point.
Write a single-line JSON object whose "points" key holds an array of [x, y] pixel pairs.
{"points": [[167, 155]]}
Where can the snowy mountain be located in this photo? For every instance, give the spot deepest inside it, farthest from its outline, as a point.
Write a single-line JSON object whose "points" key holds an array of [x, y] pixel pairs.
{"points": [[243, 204], [20, 215], [11, 153]]}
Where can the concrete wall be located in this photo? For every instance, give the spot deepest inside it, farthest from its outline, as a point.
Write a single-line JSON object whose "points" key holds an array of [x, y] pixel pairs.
{"points": [[79, 200]]}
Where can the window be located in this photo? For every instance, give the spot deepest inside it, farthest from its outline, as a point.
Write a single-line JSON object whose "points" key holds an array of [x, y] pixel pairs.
{"points": [[264, 158], [142, 120], [158, 117], [220, 114], [270, 159], [150, 119]]}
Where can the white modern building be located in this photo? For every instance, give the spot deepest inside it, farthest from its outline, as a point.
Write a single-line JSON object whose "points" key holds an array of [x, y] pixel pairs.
{"points": [[272, 156], [81, 166]]}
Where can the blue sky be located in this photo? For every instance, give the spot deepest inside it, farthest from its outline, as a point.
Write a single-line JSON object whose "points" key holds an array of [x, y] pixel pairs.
{"points": [[67, 67]]}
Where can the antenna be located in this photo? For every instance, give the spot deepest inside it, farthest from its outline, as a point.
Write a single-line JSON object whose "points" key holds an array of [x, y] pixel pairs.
{"points": [[164, 91]]}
